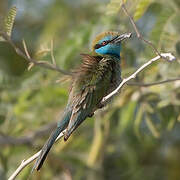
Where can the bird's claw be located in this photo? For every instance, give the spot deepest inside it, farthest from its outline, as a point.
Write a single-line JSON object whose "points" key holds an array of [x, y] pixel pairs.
{"points": [[100, 106], [91, 115], [65, 133]]}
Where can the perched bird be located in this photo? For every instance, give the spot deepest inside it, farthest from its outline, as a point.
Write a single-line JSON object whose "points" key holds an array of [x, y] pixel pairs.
{"points": [[98, 75]]}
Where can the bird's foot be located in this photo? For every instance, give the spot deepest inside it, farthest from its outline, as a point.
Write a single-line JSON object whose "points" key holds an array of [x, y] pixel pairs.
{"points": [[91, 115], [65, 135], [100, 106]]}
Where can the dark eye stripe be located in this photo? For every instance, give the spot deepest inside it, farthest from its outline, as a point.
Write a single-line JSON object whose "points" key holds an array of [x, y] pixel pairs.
{"points": [[97, 46]]}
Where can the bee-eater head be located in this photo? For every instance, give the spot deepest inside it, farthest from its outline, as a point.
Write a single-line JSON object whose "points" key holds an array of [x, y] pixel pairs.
{"points": [[109, 43]]}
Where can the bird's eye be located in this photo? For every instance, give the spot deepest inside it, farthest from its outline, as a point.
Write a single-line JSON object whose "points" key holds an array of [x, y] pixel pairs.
{"points": [[97, 46], [104, 43]]}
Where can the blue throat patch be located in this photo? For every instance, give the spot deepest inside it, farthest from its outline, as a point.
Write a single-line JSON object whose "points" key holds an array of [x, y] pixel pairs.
{"points": [[109, 49]]}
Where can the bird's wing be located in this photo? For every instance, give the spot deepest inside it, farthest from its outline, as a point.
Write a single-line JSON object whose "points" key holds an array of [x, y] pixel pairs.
{"points": [[89, 88]]}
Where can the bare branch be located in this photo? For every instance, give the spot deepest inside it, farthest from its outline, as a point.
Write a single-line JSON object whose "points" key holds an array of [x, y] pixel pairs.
{"points": [[24, 163], [25, 48], [167, 56], [29, 139], [31, 60], [52, 53], [152, 84], [27, 54]]}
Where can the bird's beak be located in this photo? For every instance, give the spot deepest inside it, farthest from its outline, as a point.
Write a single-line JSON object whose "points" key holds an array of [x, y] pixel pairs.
{"points": [[122, 37]]}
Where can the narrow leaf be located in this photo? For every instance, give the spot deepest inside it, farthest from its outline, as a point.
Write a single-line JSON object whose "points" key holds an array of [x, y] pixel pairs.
{"points": [[114, 6], [138, 120], [141, 8], [42, 51], [162, 20], [9, 20], [152, 127]]}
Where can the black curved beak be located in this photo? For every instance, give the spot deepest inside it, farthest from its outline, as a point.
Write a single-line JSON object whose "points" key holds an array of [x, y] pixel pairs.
{"points": [[121, 37]]}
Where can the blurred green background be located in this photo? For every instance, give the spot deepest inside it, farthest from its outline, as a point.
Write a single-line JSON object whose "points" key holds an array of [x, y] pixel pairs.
{"points": [[136, 137]]}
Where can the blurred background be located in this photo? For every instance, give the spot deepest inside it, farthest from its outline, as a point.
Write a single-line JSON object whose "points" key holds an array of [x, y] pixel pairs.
{"points": [[136, 137]]}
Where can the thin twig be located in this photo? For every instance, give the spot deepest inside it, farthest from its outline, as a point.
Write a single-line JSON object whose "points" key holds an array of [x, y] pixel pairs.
{"points": [[25, 49], [27, 54], [52, 53], [31, 60], [152, 127], [137, 31], [105, 99], [152, 84], [24, 163], [29, 139]]}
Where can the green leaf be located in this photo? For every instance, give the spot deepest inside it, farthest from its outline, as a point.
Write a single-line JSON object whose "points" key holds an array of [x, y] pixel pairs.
{"points": [[9, 21], [138, 120], [141, 8], [1, 39], [152, 126], [2, 119], [42, 51], [170, 37], [114, 6], [162, 19], [127, 115]]}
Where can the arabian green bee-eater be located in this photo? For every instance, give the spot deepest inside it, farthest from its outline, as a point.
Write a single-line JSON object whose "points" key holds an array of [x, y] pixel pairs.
{"points": [[99, 75]]}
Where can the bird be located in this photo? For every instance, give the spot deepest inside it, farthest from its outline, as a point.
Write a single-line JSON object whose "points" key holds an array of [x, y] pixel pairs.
{"points": [[97, 76]]}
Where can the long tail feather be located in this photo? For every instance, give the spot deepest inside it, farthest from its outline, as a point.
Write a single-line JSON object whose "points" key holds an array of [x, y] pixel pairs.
{"points": [[46, 148], [49, 143]]}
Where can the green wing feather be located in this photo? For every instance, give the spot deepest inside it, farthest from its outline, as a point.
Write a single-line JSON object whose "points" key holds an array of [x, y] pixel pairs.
{"points": [[90, 85], [96, 77]]}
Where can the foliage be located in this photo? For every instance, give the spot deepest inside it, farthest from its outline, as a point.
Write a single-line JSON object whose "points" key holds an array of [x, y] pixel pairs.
{"points": [[9, 21], [136, 136]]}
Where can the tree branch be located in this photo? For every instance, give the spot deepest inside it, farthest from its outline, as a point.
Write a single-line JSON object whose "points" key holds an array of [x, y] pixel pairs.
{"points": [[44, 64], [28, 139], [168, 56], [153, 83], [24, 163]]}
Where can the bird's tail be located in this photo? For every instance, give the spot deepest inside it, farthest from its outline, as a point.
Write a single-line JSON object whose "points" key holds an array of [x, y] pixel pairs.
{"points": [[49, 143], [46, 148]]}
